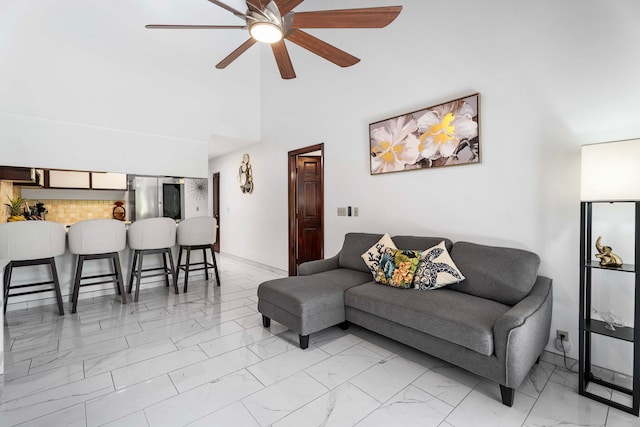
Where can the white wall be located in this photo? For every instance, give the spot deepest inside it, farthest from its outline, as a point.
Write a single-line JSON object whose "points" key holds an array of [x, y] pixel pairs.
{"points": [[552, 76], [83, 85]]}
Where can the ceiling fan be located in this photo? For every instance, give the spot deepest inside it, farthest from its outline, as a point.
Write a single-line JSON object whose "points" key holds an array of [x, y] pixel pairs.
{"points": [[274, 21]]}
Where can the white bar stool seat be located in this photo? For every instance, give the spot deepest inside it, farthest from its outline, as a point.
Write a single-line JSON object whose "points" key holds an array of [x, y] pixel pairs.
{"points": [[152, 236], [195, 234], [94, 239], [29, 243]]}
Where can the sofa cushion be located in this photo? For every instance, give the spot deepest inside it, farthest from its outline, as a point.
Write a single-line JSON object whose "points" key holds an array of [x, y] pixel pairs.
{"points": [[311, 294], [436, 269], [420, 243], [397, 267], [355, 244], [373, 255], [505, 275], [460, 318]]}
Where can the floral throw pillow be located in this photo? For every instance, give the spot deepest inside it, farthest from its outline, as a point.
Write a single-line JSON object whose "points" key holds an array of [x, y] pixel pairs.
{"points": [[397, 268], [436, 269], [372, 256]]}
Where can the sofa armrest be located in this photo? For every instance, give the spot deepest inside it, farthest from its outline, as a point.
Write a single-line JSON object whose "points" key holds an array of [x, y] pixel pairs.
{"points": [[521, 334], [313, 267]]}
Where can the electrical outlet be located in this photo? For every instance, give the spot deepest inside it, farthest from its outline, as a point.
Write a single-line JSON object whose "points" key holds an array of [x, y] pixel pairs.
{"points": [[562, 341]]}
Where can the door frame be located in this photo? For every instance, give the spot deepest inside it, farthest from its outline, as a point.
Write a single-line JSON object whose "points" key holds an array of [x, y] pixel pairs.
{"points": [[293, 185]]}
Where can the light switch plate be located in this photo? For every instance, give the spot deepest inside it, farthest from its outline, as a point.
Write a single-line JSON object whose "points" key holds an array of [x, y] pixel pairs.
{"points": [[342, 211]]}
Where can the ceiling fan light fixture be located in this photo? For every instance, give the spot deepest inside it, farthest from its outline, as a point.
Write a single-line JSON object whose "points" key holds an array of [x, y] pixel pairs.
{"points": [[266, 32]]}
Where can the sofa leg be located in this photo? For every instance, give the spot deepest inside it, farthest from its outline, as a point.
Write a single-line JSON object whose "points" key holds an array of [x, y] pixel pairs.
{"points": [[344, 325], [508, 394], [304, 341], [266, 322]]}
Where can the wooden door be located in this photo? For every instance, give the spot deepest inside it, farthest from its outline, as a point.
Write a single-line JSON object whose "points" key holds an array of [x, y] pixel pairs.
{"points": [[306, 205], [309, 209], [216, 208]]}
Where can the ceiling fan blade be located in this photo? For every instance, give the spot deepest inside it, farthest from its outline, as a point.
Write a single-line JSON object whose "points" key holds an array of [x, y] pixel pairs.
{"points": [[371, 17], [229, 8], [284, 61], [235, 54], [196, 27], [287, 6], [321, 48], [257, 3]]}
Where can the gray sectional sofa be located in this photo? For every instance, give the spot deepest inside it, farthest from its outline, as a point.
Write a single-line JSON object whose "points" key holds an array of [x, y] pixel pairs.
{"points": [[495, 323]]}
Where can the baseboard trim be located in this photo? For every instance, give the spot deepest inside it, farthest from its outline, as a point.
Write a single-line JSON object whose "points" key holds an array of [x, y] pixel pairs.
{"points": [[255, 263]]}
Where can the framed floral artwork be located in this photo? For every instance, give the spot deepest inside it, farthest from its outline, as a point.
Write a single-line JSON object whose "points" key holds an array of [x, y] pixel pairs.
{"points": [[443, 135]]}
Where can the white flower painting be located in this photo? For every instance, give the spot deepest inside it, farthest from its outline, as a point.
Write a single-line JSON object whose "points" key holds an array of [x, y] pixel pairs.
{"points": [[443, 135]]}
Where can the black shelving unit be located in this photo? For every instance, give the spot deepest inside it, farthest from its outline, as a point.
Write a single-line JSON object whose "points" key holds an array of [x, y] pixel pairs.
{"points": [[589, 326]]}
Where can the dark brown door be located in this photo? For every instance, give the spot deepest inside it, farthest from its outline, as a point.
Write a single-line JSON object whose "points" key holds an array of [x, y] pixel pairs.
{"points": [[216, 208], [306, 205], [309, 209]]}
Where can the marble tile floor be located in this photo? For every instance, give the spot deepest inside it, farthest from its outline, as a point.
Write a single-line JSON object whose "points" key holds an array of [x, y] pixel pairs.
{"points": [[204, 359]]}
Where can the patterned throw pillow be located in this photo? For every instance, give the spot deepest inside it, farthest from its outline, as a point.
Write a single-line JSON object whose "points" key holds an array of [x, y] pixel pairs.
{"points": [[397, 268], [436, 269], [373, 255]]}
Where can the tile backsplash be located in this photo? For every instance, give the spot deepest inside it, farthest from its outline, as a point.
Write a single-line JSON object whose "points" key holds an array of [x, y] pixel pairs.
{"points": [[72, 211], [62, 211]]}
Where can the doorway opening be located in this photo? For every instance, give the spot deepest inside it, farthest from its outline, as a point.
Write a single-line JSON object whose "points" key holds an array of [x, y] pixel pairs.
{"points": [[306, 206]]}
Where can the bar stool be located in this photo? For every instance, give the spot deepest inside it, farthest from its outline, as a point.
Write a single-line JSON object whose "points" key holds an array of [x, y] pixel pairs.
{"points": [[194, 234], [29, 243], [147, 237], [95, 239]]}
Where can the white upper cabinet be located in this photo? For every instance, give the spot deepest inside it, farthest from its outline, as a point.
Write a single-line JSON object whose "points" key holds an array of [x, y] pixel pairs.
{"points": [[87, 180], [68, 179], [108, 181]]}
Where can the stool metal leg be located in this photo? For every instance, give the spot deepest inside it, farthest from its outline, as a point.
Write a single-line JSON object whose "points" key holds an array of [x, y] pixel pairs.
{"points": [[133, 269], [215, 265], [164, 263], [186, 270], [174, 273], [76, 283], [119, 279], [138, 276], [204, 259], [179, 261], [7, 279], [56, 284]]}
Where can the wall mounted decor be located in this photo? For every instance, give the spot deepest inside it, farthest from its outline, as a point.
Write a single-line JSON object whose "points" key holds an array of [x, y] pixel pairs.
{"points": [[443, 135], [245, 176], [199, 188]]}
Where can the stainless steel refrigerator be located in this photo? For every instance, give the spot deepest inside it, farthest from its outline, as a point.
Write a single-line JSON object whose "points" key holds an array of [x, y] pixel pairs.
{"points": [[152, 197]]}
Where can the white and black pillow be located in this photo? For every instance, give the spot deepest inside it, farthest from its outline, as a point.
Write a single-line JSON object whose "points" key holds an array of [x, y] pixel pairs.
{"points": [[436, 269]]}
